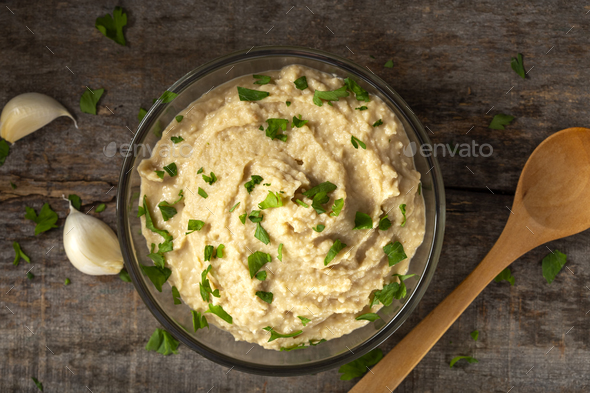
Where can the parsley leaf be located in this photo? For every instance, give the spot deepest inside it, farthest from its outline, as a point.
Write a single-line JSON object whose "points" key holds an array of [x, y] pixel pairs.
{"points": [[158, 259], [112, 26], [265, 296], [200, 171], [256, 260], [552, 265], [167, 210], [388, 64], [168, 96], [242, 218], [359, 367], [318, 200], [209, 251], [361, 108], [171, 169], [176, 139], [234, 207], [384, 223], [298, 122], [199, 321], [368, 317], [518, 66], [378, 123], [304, 320], [262, 79], [334, 250], [220, 312], [67, 281], [176, 295], [301, 83], [37, 383], [274, 126], [288, 103], [300, 202], [160, 174], [210, 179], [167, 244], [100, 208], [360, 93], [362, 221], [124, 275], [356, 142], [18, 254], [505, 275], [45, 220], [202, 193], [179, 118], [395, 253], [272, 200], [261, 275], [30, 275], [11, 183], [261, 234], [475, 335], [89, 100], [319, 228], [158, 276], [255, 180], [4, 151], [141, 114], [251, 95], [337, 208], [468, 358], [220, 249], [76, 201], [162, 342], [326, 187], [333, 95], [256, 216], [274, 335], [205, 285], [500, 120], [194, 225], [280, 256], [402, 208]]}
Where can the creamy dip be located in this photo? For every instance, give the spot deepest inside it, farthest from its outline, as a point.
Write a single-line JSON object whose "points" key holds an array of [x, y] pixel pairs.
{"points": [[226, 139]]}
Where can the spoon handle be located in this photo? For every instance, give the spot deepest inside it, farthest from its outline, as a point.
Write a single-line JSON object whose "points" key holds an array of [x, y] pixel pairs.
{"points": [[402, 359]]}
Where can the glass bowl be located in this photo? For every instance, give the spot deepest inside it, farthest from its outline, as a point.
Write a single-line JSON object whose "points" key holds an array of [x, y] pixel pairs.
{"points": [[216, 344]]}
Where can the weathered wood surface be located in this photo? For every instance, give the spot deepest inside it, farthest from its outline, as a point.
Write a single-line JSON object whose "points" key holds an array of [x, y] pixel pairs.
{"points": [[451, 64]]}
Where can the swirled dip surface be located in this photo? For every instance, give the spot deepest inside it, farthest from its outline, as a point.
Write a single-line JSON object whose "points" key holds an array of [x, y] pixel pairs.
{"points": [[226, 138]]}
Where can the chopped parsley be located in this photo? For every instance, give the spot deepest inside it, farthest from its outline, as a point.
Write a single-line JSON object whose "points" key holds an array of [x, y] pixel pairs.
{"points": [[368, 317], [201, 170], [300, 202], [329, 96], [280, 256], [176, 295], [552, 265], [256, 216], [474, 335], [318, 200], [337, 208], [388, 64], [298, 122], [167, 209], [11, 183], [301, 82], [202, 193], [242, 217], [234, 207], [272, 200], [419, 188], [160, 174], [209, 251], [220, 249], [30, 275], [37, 383], [112, 26], [262, 79], [265, 296], [505, 274], [179, 118], [360, 366], [384, 223], [18, 254], [67, 281], [100, 208], [256, 260], [326, 187], [157, 275], [261, 128], [167, 244], [162, 342], [395, 253], [194, 225], [288, 103], [76, 201], [205, 286], [500, 120], [4, 151], [402, 208], [261, 234], [89, 100], [319, 228], [171, 169], [274, 335], [141, 114], [360, 93], [356, 142], [518, 66], [45, 220], [176, 139], [470, 359], [378, 123], [220, 312], [251, 95], [255, 180], [210, 179], [199, 321], [276, 125], [334, 250], [362, 221], [261, 275], [361, 108], [167, 97], [124, 275]]}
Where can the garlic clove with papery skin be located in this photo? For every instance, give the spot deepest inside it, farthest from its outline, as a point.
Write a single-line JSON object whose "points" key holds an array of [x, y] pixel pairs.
{"points": [[91, 245], [27, 113]]}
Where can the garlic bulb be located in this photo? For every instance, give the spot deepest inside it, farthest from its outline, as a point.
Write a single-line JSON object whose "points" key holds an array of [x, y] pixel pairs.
{"points": [[91, 245], [28, 112]]}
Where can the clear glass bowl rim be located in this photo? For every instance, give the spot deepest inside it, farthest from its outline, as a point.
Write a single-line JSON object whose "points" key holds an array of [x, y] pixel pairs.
{"points": [[435, 248]]}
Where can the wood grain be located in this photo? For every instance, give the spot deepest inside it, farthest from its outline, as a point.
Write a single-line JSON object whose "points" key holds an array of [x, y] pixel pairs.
{"points": [[451, 64]]}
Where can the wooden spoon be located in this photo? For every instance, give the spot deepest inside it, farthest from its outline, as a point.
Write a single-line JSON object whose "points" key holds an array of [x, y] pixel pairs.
{"points": [[552, 201]]}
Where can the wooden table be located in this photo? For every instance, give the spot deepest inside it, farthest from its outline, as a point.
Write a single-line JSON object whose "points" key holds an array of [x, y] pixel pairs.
{"points": [[451, 64]]}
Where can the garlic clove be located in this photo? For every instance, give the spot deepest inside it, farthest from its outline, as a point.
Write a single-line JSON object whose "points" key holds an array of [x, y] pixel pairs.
{"points": [[27, 113], [91, 245]]}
